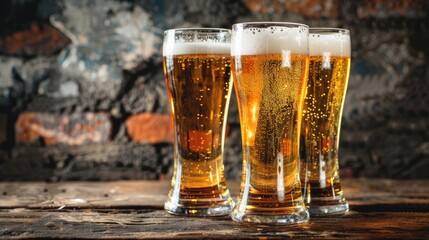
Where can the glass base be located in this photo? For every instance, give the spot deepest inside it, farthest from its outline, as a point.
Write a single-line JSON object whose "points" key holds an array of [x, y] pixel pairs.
{"points": [[325, 199], [199, 210], [328, 208], [300, 216]]}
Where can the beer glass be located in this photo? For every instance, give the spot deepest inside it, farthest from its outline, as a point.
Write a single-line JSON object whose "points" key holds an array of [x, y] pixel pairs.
{"points": [[270, 66], [197, 73], [320, 129]]}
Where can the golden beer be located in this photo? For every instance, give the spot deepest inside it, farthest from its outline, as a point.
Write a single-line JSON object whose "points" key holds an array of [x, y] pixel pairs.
{"points": [[325, 91], [270, 110], [270, 88], [199, 87]]}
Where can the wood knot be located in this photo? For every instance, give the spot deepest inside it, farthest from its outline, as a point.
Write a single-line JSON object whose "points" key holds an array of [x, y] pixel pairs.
{"points": [[52, 226]]}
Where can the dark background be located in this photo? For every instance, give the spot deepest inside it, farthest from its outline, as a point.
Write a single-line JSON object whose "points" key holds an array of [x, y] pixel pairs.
{"points": [[57, 125]]}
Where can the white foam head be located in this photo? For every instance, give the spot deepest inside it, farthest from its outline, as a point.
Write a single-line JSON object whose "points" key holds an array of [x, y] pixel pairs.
{"points": [[267, 40], [196, 48], [336, 43], [196, 41]]}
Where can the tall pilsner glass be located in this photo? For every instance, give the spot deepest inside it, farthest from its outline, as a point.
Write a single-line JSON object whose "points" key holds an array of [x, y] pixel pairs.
{"points": [[197, 72], [270, 67], [320, 132]]}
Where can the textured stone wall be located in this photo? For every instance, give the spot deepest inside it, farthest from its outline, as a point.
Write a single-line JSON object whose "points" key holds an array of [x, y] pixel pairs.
{"points": [[57, 125]]}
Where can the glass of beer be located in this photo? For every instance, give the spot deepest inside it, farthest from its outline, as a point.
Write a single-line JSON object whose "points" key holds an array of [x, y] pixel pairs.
{"points": [[197, 73], [269, 67], [320, 130]]}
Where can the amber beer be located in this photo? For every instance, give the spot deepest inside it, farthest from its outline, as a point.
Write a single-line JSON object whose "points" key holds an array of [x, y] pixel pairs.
{"points": [[270, 66], [323, 104], [197, 70]]}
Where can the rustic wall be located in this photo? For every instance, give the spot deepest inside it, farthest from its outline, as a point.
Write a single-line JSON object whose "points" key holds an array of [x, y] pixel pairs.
{"points": [[57, 125]]}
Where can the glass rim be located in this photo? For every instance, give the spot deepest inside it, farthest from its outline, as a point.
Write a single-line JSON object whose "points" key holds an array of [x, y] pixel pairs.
{"points": [[328, 30], [271, 24], [198, 29]]}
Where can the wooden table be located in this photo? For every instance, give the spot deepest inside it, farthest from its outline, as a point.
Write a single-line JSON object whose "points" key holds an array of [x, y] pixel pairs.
{"points": [[380, 209]]}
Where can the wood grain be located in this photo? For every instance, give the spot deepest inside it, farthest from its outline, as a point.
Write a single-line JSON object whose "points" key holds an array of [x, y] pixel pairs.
{"points": [[143, 223], [393, 209], [359, 192], [122, 194]]}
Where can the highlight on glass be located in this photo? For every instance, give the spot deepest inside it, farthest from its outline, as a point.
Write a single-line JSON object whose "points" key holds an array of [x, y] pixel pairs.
{"points": [[320, 133], [197, 72], [269, 68]]}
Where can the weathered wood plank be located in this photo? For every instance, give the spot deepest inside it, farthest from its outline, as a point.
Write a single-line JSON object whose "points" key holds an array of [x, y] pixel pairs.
{"points": [[361, 194], [394, 209], [387, 194], [142, 223], [119, 194]]}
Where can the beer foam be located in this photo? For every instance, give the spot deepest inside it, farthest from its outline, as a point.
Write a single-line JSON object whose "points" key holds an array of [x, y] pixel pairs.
{"points": [[337, 44], [275, 39], [196, 48]]}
